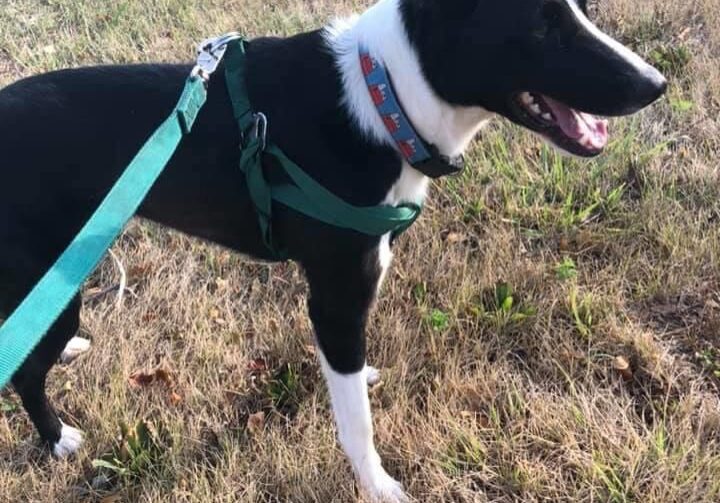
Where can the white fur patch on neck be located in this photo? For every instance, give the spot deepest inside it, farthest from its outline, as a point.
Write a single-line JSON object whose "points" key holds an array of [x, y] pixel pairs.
{"points": [[382, 32]]}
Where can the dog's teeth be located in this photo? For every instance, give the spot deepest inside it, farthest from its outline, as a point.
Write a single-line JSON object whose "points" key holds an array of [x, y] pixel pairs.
{"points": [[536, 108], [548, 117]]}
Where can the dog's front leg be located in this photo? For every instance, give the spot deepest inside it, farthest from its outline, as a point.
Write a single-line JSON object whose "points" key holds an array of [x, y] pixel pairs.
{"points": [[340, 302]]}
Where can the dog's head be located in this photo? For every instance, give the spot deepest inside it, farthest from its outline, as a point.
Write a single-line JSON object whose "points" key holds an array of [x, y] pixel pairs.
{"points": [[540, 63]]}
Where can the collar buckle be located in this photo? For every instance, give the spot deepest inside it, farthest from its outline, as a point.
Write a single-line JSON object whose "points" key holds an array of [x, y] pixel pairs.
{"points": [[438, 165]]}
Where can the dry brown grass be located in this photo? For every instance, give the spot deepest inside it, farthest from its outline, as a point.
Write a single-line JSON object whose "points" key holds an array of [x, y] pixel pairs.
{"points": [[477, 404]]}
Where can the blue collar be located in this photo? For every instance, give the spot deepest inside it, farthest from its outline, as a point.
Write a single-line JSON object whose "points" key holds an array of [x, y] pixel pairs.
{"points": [[422, 156]]}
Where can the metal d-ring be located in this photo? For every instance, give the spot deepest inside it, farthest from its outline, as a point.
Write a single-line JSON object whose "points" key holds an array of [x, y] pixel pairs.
{"points": [[260, 129]]}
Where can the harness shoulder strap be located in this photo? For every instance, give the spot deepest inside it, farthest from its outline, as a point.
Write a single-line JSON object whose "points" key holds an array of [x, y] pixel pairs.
{"points": [[235, 62]]}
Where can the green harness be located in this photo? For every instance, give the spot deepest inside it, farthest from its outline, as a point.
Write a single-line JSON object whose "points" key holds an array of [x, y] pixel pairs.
{"points": [[304, 195], [26, 327]]}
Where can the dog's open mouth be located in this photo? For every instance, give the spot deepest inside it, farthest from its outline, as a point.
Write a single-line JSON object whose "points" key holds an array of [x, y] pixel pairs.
{"points": [[576, 132]]}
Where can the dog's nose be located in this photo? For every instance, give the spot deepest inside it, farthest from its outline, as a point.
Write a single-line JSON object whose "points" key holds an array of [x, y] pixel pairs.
{"points": [[652, 86]]}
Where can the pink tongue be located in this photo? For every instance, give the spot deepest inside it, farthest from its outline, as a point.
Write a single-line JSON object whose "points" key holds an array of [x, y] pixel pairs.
{"points": [[587, 130]]}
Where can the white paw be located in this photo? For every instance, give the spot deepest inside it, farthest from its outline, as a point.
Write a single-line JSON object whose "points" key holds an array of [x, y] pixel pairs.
{"points": [[376, 484], [70, 441], [74, 348], [382, 488], [372, 375]]}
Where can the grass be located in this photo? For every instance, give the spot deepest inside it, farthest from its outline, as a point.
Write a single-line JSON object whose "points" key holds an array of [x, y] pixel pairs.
{"points": [[498, 329]]}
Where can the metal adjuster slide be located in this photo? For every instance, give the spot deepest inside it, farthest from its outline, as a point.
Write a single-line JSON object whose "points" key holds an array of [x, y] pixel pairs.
{"points": [[259, 130]]}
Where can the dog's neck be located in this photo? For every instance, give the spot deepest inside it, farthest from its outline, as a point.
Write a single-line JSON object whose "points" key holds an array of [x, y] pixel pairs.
{"points": [[382, 32]]}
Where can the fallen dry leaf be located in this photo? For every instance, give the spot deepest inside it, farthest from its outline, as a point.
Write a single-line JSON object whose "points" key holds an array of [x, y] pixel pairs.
{"points": [[139, 379], [454, 237], [256, 366], [256, 422], [175, 398], [164, 376], [622, 365], [161, 375]]}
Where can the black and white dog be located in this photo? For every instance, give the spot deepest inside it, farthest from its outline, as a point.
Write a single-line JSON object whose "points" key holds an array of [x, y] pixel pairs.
{"points": [[66, 136]]}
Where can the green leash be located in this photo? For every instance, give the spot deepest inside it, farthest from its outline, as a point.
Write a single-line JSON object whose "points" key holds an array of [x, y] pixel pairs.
{"points": [[26, 327]]}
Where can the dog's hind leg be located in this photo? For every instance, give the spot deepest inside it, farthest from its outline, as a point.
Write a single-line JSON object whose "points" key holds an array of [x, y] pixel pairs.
{"points": [[340, 302], [29, 382]]}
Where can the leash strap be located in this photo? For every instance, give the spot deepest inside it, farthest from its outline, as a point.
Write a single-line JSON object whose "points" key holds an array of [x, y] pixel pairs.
{"points": [[26, 327], [304, 195]]}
